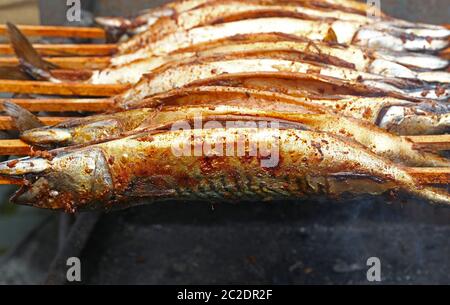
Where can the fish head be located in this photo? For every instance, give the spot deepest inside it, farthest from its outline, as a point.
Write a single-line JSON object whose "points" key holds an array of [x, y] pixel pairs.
{"points": [[52, 136], [46, 136], [70, 181]]}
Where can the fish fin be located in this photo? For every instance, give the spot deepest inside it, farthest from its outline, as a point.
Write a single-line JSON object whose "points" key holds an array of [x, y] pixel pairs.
{"points": [[23, 119], [30, 60]]}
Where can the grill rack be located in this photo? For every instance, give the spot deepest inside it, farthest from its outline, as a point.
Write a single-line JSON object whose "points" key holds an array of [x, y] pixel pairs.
{"points": [[95, 98]]}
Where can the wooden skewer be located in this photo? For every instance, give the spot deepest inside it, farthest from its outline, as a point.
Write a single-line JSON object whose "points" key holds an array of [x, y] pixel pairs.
{"points": [[433, 142], [62, 105], [58, 31], [6, 123], [14, 148], [65, 62], [438, 175], [10, 182], [17, 147], [426, 175], [66, 31], [74, 89], [67, 49]]}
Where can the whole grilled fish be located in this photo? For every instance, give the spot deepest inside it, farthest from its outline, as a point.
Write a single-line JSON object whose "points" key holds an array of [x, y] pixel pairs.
{"points": [[192, 165], [343, 32], [153, 19], [190, 16], [390, 64], [225, 11], [397, 116], [172, 76], [297, 111]]}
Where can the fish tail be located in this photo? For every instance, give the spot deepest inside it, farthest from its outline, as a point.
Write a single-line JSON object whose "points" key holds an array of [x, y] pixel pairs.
{"points": [[30, 60], [23, 119]]}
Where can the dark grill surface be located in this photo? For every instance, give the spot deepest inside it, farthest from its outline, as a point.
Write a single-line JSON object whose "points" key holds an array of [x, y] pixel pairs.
{"points": [[278, 243]]}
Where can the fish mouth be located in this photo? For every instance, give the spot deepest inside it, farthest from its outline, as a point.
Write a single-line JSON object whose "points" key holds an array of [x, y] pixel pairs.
{"points": [[33, 194]]}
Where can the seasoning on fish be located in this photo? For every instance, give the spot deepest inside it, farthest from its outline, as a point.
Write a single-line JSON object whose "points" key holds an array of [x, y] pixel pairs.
{"points": [[309, 115], [173, 76], [343, 32]]}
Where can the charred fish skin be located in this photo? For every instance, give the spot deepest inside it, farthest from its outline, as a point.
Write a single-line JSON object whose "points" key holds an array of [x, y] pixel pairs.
{"points": [[145, 166], [208, 12], [219, 11], [184, 39], [223, 11], [391, 64], [377, 140], [344, 32], [397, 116], [131, 73], [296, 49], [171, 77]]}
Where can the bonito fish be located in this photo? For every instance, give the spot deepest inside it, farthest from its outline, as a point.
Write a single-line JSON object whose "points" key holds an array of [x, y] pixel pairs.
{"points": [[225, 11], [384, 63], [164, 166], [172, 76], [343, 32], [389, 64], [395, 115], [255, 105], [196, 14]]}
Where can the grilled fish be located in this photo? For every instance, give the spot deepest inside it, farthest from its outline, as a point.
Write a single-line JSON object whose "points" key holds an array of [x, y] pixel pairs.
{"points": [[151, 19], [213, 12], [225, 11], [343, 32], [275, 107], [172, 76], [166, 166], [390, 64], [411, 118], [383, 63]]}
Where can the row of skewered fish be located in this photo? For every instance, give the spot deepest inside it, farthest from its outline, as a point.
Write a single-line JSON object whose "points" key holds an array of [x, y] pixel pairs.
{"points": [[245, 100]]}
